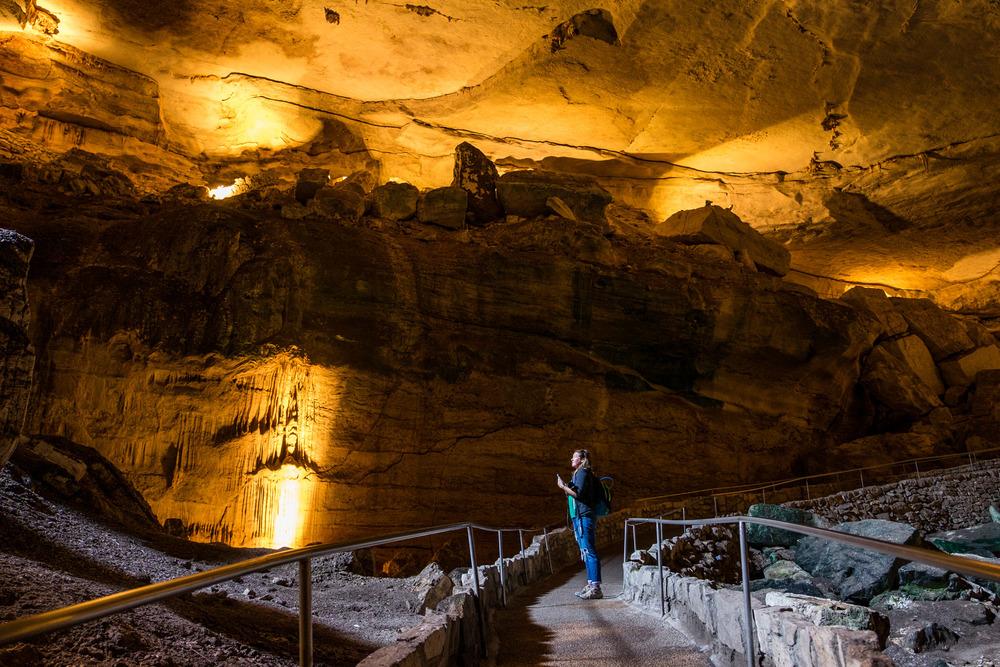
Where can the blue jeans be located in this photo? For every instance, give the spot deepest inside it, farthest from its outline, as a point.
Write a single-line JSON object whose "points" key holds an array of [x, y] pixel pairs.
{"points": [[585, 537]]}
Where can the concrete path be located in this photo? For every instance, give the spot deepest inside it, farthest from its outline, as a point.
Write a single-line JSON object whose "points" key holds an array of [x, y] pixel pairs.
{"points": [[551, 626]]}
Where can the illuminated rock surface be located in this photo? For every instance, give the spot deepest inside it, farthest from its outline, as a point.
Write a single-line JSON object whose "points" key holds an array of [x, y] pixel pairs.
{"points": [[288, 356], [865, 138]]}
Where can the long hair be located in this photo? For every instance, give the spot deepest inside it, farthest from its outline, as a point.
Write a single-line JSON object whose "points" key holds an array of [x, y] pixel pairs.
{"points": [[585, 455]]}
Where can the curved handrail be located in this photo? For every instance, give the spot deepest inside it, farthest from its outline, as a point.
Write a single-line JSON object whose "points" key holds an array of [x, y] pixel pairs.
{"points": [[936, 558], [747, 488], [58, 619]]}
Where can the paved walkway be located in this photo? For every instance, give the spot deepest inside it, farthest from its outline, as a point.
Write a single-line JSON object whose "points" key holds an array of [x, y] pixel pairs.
{"points": [[551, 626]]}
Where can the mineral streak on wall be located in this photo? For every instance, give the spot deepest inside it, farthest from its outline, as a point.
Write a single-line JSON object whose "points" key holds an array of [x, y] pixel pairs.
{"points": [[227, 446]]}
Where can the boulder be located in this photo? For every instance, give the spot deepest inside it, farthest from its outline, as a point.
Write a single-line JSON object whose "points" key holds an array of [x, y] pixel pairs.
{"points": [[924, 576], [342, 203], [961, 371], [855, 573], [17, 356], [714, 251], [785, 569], [395, 201], [445, 207], [891, 382], [432, 586], [943, 334], [559, 207], [978, 333], [874, 302], [759, 535], [188, 191], [917, 358], [309, 181], [982, 540], [526, 194], [643, 557], [991, 585], [927, 636], [986, 395], [477, 175], [713, 224]]}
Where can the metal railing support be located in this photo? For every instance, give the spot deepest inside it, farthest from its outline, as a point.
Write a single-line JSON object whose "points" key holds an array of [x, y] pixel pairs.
{"points": [[305, 613], [916, 467], [808, 497], [472, 558], [625, 543], [503, 583], [545, 532], [520, 536], [745, 569], [659, 563], [635, 542], [862, 478]]}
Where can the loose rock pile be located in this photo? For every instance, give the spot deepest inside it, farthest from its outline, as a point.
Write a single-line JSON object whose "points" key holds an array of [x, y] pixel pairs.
{"points": [[922, 615]]}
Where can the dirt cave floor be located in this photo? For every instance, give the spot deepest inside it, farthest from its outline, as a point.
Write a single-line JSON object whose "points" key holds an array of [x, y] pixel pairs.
{"points": [[53, 555]]}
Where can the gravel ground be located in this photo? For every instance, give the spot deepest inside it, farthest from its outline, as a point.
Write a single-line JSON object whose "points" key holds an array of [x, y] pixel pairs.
{"points": [[53, 554]]}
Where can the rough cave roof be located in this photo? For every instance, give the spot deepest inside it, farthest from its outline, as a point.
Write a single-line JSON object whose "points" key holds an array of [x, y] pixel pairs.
{"points": [[831, 125]]}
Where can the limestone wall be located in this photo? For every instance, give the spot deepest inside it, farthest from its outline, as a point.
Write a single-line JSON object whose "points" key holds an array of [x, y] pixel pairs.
{"points": [[458, 630], [715, 616], [17, 356]]}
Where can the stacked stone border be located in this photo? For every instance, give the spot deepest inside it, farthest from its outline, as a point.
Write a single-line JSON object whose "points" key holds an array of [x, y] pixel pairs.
{"points": [[714, 615]]}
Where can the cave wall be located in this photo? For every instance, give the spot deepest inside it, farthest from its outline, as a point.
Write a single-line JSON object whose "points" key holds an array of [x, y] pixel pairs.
{"points": [[235, 365], [17, 356]]}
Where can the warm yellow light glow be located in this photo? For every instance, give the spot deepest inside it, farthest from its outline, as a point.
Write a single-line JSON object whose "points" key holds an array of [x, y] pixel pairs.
{"points": [[223, 191], [289, 495]]}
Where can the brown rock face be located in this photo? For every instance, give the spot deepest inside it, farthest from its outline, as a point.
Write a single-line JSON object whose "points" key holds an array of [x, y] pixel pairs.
{"points": [[17, 356], [478, 176], [244, 369]]}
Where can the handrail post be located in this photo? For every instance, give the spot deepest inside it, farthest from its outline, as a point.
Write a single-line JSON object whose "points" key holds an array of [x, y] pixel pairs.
{"points": [[472, 558], [625, 548], [862, 473], [684, 518], [745, 567], [305, 613], [917, 468], [503, 583], [635, 541], [659, 562], [520, 536], [808, 497], [545, 532], [715, 502]]}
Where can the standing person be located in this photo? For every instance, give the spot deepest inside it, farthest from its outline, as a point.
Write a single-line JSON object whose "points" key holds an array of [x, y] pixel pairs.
{"points": [[581, 491]]}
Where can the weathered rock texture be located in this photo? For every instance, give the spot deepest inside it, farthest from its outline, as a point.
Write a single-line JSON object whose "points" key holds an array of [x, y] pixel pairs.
{"points": [[17, 356], [265, 378], [866, 137]]}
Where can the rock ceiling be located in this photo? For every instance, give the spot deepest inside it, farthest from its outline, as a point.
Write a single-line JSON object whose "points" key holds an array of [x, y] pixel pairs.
{"points": [[863, 136]]}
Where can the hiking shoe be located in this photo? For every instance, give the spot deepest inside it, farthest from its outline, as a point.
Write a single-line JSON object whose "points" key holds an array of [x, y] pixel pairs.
{"points": [[593, 593], [585, 593]]}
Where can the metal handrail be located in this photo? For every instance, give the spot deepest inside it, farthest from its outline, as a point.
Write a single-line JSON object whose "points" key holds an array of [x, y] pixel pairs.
{"points": [[83, 612], [748, 488], [939, 559]]}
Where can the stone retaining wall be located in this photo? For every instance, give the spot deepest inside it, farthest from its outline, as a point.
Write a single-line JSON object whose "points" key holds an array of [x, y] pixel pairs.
{"points": [[714, 616], [959, 498], [459, 629]]}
